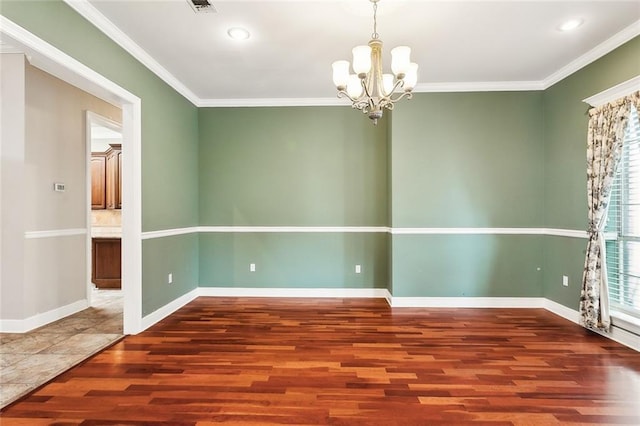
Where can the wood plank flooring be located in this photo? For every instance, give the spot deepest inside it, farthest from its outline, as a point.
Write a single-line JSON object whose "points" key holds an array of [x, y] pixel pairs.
{"points": [[345, 362]]}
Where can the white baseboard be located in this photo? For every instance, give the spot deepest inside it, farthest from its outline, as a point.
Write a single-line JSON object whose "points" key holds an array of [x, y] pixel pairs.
{"points": [[166, 310], [562, 311], [467, 302], [38, 320], [616, 334], [294, 292], [621, 336]]}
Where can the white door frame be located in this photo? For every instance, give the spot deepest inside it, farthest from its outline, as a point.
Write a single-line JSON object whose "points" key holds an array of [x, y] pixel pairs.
{"points": [[52, 60]]}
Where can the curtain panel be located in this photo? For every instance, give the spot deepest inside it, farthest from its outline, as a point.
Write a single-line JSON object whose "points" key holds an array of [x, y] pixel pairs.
{"points": [[607, 125]]}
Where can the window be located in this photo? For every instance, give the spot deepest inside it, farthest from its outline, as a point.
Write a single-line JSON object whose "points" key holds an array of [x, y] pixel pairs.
{"points": [[623, 252]]}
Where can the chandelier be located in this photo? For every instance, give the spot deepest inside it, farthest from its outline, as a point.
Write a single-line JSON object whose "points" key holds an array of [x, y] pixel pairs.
{"points": [[369, 89]]}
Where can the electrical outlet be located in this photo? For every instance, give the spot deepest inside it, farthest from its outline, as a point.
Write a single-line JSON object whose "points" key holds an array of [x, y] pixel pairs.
{"points": [[252, 267], [169, 278], [358, 269], [565, 280]]}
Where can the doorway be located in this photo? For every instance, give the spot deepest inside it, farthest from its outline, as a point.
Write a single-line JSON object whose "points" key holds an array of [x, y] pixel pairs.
{"points": [[104, 220], [57, 63]]}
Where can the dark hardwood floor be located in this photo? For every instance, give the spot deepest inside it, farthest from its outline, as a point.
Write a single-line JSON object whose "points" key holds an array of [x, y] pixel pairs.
{"points": [[345, 361]]}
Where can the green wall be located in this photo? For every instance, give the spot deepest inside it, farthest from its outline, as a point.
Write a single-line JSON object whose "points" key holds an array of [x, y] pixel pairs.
{"points": [[177, 255], [467, 160], [467, 265], [288, 166], [169, 140], [565, 139], [450, 160], [497, 160], [292, 166], [293, 260]]}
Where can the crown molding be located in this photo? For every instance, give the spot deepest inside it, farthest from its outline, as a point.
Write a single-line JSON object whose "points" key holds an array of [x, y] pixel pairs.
{"points": [[91, 14], [594, 54], [488, 86], [479, 86], [271, 102]]}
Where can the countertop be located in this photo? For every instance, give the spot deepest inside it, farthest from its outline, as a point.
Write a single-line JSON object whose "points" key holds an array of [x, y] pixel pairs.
{"points": [[106, 232]]}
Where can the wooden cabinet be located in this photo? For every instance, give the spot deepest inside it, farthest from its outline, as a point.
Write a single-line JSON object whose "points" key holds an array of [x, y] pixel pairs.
{"points": [[106, 180], [106, 265], [98, 181], [119, 197], [114, 200]]}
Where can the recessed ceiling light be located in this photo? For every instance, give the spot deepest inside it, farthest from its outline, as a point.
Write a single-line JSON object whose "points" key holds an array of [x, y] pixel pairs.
{"points": [[238, 33], [571, 24]]}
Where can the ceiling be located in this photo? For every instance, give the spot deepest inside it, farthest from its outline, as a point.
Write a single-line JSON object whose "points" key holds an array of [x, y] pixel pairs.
{"points": [[514, 45], [102, 137]]}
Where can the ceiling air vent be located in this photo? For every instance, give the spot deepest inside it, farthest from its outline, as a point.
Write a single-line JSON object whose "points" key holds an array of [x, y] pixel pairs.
{"points": [[201, 6]]}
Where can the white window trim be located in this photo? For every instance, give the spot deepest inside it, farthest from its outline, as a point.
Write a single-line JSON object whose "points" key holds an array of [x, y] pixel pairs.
{"points": [[625, 322], [614, 93]]}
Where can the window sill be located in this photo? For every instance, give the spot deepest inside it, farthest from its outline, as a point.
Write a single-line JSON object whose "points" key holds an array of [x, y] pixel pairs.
{"points": [[625, 322]]}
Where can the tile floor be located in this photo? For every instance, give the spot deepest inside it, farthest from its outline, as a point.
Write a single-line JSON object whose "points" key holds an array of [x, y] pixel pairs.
{"points": [[28, 360]]}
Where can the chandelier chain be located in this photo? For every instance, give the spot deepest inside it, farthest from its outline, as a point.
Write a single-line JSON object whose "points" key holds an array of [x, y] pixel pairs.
{"points": [[375, 34]]}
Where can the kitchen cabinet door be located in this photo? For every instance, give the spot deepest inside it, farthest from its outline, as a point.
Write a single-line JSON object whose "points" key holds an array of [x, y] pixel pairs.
{"points": [[113, 180], [98, 181], [106, 265], [119, 197]]}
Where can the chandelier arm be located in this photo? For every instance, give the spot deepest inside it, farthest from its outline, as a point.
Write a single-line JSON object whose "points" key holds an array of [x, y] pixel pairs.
{"points": [[342, 94], [359, 103], [399, 84], [407, 95], [362, 106]]}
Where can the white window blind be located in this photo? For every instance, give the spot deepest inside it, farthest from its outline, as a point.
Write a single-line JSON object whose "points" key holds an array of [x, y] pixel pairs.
{"points": [[623, 253]]}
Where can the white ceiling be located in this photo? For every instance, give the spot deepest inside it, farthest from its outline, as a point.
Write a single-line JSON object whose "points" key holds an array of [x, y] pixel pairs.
{"points": [[511, 44], [102, 137]]}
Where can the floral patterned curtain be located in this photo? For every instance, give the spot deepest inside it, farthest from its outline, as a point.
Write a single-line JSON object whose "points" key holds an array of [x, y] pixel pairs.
{"points": [[604, 149]]}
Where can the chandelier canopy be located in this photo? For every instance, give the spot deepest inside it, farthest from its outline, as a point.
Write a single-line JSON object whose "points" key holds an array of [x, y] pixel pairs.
{"points": [[368, 88]]}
